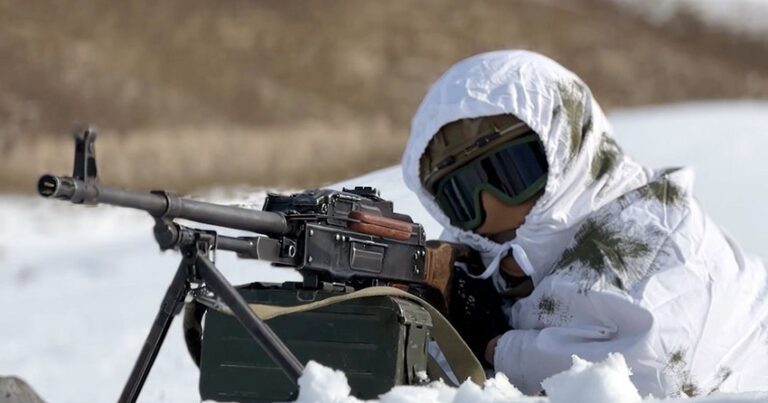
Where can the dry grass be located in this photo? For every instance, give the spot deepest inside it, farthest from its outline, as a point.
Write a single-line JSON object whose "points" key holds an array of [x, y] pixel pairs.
{"points": [[304, 155], [224, 87]]}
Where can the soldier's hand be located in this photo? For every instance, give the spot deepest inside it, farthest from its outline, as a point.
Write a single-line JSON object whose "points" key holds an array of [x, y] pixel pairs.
{"points": [[510, 267], [490, 349], [518, 284]]}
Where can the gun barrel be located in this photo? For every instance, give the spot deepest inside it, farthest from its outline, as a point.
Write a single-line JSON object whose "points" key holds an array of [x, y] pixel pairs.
{"points": [[163, 204]]}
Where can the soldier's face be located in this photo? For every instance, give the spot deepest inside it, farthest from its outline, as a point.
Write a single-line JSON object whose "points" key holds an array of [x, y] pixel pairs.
{"points": [[502, 220]]}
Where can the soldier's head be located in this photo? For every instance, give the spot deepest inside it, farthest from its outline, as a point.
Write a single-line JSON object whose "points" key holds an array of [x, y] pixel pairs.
{"points": [[485, 173]]}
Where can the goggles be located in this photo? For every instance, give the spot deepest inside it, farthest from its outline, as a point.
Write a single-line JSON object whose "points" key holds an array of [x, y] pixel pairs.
{"points": [[512, 172]]}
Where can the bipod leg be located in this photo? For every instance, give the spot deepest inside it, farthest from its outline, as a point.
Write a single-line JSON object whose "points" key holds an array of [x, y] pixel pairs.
{"points": [[260, 331], [170, 307]]}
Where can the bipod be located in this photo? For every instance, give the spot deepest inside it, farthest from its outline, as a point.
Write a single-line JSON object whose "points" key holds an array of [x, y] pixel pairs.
{"points": [[196, 268]]}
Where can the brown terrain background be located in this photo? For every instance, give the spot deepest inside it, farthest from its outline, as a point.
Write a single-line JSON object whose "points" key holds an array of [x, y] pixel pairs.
{"points": [[193, 93]]}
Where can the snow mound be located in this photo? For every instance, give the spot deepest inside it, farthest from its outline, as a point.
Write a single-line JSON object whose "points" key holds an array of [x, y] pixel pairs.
{"points": [[320, 384], [323, 384], [606, 381], [603, 382], [586, 382]]}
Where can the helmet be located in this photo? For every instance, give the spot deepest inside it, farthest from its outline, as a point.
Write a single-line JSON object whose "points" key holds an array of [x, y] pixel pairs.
{"points": [[462, 140], [499, 154]]}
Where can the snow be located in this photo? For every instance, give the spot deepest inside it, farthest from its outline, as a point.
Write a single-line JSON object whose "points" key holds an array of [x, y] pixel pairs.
{"points": [[745, 17], [586, 382], [79, 286], [320, 384]]}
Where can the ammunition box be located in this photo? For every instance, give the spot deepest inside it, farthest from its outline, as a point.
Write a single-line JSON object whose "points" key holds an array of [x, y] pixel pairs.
{"points": [[379, 342]]}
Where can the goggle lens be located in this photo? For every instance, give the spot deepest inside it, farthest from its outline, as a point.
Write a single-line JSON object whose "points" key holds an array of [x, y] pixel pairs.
{"points": [[514, 172]]}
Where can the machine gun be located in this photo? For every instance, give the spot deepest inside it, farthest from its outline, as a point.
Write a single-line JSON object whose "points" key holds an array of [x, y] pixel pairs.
{"points": [[350, 237]]}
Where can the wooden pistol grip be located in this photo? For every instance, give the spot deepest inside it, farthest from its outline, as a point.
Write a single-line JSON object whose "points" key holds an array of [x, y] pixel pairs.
{"points": [[438, 267]]}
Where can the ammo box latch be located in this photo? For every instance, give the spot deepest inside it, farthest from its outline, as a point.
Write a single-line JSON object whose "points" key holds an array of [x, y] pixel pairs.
{"points": [[417, 323]]}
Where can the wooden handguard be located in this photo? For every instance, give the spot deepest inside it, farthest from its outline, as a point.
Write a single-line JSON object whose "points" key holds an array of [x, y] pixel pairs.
{"points": [[380, 226]]}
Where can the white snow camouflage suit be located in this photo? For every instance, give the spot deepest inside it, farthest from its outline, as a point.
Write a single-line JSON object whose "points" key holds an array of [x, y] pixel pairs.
{"points": [[622, 257]]}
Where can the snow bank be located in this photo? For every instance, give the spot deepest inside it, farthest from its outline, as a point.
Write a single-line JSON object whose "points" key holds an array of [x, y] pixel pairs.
{"points": [[585, 382]]}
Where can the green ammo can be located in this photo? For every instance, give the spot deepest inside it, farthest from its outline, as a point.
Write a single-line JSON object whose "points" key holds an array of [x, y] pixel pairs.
{"points": [[379, 342]]}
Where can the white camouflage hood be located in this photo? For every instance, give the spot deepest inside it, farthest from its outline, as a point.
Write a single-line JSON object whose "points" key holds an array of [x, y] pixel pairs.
{"points": [[577, 138], [623, 259]]}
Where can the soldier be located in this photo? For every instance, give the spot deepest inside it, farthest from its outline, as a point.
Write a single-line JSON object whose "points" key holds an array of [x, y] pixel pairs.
{"points": [[594, 252]]}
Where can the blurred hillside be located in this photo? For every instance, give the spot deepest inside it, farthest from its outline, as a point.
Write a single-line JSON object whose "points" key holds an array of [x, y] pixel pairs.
{"points": [[273, 93]]}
